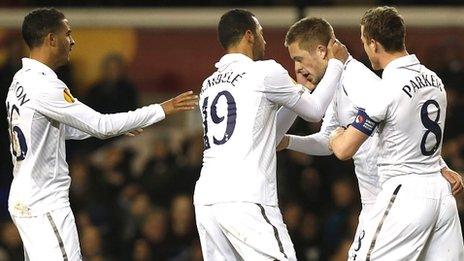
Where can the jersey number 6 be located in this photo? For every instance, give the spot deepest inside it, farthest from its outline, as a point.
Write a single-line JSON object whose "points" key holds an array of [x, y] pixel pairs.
{"points": [[17, 139], [231, 117]]}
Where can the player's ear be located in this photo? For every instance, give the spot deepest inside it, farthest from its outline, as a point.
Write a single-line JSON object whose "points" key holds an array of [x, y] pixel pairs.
{"points": [[249, 36], [321, 51], [51, 39], [374, 45]]}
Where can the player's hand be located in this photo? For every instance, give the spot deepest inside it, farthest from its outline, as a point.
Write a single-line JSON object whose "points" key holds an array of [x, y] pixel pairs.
{"points": [[337, 50], [335, 134], [184, 102], [134, 133], [283, 143], [454, 179]]}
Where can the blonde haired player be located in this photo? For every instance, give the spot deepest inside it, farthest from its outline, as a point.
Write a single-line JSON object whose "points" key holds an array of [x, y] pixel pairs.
{"points": [[358, 83]]}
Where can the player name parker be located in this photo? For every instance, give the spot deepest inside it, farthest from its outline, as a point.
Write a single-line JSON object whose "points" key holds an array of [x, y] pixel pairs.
{"points": [[420, 82]]}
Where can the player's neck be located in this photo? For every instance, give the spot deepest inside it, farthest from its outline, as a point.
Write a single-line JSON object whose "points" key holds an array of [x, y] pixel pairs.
{"points": [[245, 50], [388, 57], [43, 57]]}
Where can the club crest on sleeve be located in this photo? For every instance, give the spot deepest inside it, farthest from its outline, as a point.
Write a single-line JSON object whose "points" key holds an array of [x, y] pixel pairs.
{"points": [[68, 96]]}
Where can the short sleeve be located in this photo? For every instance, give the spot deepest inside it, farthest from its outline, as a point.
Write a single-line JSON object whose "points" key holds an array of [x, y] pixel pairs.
{"points": [[378, 105], [359, 83]]}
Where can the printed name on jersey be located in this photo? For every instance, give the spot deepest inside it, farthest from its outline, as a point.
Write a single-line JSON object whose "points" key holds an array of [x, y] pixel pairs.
{"points": [[420, 82], [68, 96], [20, 94], [363, 123], [227, 77]]}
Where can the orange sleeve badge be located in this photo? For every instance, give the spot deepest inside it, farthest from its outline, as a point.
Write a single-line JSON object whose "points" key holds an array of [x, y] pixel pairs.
{"points": [[68, 96]]}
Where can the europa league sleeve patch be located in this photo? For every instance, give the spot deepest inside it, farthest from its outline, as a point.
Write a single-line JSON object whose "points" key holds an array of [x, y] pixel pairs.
{"points": [[68, 96], [364, 123]]}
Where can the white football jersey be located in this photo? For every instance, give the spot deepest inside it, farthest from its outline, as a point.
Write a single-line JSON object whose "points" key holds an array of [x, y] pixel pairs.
{"points": [[411, 110], [238, 104], [42, 113], [358, 83]]}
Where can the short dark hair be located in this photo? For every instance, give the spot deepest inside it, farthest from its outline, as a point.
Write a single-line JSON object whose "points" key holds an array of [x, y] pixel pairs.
{"points": [[386, 26], [309, 32], [39, 23], [233, 26]]}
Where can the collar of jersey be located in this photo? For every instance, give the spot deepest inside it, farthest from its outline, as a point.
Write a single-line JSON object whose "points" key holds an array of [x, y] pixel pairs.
{"points": [[404, 61], [36, 65], [350, 58], [230, 58]]}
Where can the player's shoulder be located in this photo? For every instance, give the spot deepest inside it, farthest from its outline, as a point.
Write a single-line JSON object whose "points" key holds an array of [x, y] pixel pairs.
{"points": [[359, 82], [269, 67], [359, 75], [43, 82], [431, 72], [29, 75], [207, 80]]}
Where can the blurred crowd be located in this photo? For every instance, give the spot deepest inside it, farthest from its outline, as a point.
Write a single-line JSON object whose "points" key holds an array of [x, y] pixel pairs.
{"points": [[136, 205]]}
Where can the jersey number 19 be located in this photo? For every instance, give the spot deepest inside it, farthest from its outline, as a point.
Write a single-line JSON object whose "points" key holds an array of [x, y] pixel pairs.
{"points": [[231, 118]]}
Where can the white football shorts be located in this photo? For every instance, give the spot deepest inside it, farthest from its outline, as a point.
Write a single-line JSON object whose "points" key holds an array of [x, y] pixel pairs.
{"points": [[51, 236], [243, 231], [414, 218]]}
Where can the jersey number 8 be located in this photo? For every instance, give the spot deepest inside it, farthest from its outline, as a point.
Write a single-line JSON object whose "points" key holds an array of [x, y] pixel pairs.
{"points": [[431, 126], [231, 118]]}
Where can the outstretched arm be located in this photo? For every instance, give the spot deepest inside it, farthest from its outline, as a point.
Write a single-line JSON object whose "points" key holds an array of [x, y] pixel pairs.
{"points": [[75, 134], [59, 105]]}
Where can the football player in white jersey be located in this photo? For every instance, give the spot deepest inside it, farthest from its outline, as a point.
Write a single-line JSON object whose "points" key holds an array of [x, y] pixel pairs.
{"points": [[42, 114], [415, 214], [235, 197], [358, 83], [303, 40]]}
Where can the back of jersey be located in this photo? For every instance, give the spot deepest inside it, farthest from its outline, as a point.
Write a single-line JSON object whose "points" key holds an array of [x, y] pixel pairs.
{"points": [[412, 133], [239, 160], [41, 181], [19, 120]]}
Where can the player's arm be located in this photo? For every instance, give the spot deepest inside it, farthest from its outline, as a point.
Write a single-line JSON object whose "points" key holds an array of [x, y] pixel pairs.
{"points": [[346, 142], [311, 107], [280, 89], [454, 178], [59, 105], [315, 144], [75, 134], [285, 116]]}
